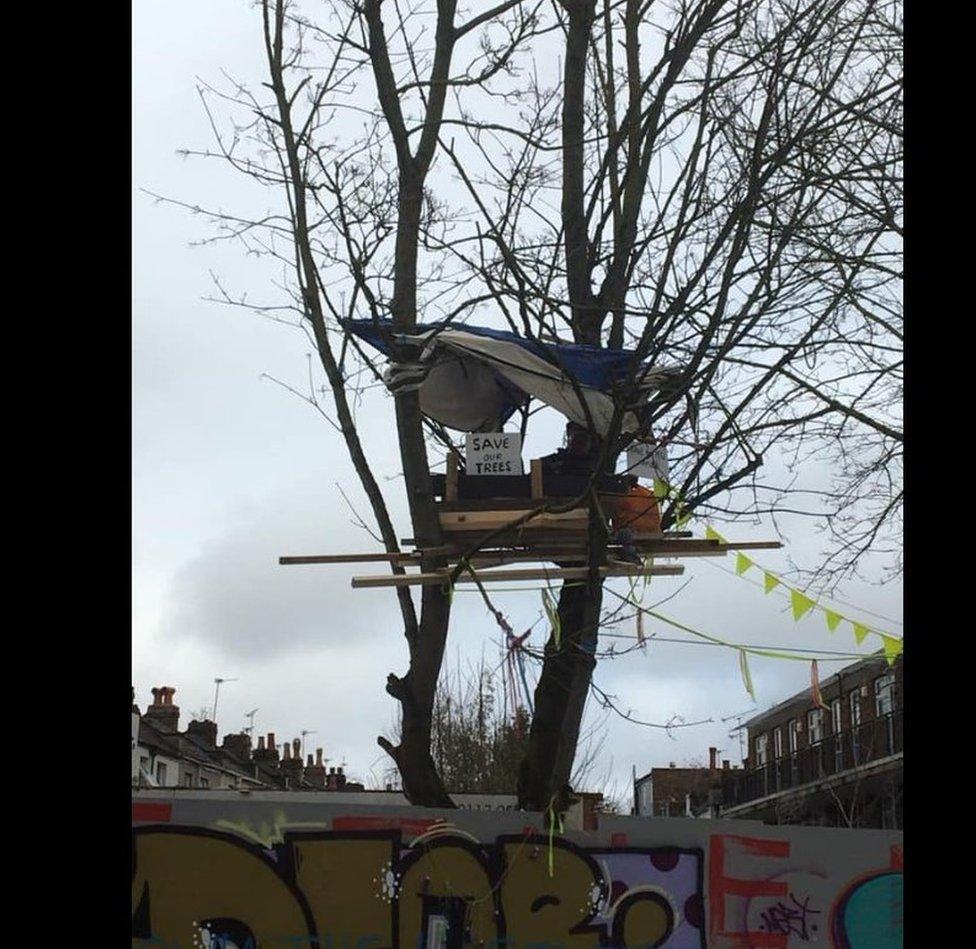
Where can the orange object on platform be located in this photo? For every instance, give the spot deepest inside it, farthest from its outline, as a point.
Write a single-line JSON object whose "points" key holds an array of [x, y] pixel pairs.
{"points": [[638, 510]]}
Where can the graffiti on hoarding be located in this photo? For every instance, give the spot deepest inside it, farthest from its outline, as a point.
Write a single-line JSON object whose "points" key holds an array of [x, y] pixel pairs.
{"points": [[199, 887], [423, 884]]}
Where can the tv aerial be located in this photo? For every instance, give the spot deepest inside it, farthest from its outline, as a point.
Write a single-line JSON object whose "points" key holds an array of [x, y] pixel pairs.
{"points": [[303, 733], [219, 682]]}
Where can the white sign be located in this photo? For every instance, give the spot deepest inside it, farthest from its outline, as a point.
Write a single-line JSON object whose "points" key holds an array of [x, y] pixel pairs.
{"points": [[647, 461], [493, 453]]}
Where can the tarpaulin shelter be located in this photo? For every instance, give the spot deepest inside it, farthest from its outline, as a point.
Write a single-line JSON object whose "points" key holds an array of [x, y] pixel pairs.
{"points": [[473, 378]]}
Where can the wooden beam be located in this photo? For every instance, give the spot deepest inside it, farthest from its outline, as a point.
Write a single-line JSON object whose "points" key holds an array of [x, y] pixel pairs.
{"points": [[408, 556], [661, 545], [535, 473], [451, 481], [576, 519], [496, 576], [501, 542]]}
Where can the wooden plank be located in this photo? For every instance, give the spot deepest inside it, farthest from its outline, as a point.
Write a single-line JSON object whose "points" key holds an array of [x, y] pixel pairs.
{"points": [[752, 545], [451, 482], [503, 541], [407, 556], [535, 473], [497, 576], [660, 545], [455, 521]]}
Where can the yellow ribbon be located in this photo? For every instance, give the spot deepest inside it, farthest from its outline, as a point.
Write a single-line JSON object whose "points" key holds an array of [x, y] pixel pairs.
{"points": [[553, 818]]}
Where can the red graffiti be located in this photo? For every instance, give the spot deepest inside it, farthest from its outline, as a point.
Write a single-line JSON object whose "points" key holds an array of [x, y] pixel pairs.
{"points": [[722, 885]]}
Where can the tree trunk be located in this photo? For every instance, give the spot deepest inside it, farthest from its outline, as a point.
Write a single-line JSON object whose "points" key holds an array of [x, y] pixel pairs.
{"points": [[564, 683], [560, 698]]}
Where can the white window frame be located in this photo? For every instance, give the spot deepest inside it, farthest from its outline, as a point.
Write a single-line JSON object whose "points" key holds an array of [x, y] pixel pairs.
{"points": [[854, 702], [836, 716], [815, 726], [778, 743], [794, 733], [884, 694], [762, 750]]}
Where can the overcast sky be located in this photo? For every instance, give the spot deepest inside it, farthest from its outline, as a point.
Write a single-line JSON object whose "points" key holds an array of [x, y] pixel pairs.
{"points": [[230, 472]]}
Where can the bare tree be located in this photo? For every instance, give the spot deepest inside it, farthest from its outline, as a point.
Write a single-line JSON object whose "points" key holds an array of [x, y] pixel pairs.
{"points": [[713, 184]]}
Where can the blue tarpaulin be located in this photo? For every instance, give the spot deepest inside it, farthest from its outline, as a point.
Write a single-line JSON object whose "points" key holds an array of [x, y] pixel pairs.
{"points": [[473, 378]]}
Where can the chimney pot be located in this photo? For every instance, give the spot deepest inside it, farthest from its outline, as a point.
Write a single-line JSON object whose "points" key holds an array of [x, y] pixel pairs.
{"points": [[712, 758], [271, 741], [287, 752], [318, 757], [725, 764], [310, 764], [163, 713], [260, 742]]}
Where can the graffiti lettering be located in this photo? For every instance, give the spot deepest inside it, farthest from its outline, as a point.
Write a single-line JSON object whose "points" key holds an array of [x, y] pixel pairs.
{"points": [[211, 890], [435, 886], [790, 920]]}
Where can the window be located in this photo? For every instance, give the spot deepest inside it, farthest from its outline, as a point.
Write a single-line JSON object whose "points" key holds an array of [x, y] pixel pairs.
{"points": [[762, 750], [188, 780], [794, 735], [161, 774], [815, 725], [884, 694], [836, 725], [778, 743], [204, 783], [855, 701]]}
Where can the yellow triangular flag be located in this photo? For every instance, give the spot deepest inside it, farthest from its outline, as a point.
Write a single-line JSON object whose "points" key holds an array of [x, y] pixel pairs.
{"points": [[746, 678], [833, 619], [860, 631], [801, 604], [742, 563], [892, 648], [661, 489], [712, 534], [770, 582]]}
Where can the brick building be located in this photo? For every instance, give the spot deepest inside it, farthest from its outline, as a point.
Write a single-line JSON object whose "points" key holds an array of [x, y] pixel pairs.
{"points": [[680, 792], [839, 766]]}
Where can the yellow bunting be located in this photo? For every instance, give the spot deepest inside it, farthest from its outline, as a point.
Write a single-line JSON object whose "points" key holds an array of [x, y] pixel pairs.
{"points": [[833, 619], [742, 563], [746, 678], [860, 631], [892, 648], [712, 534], [769, 581], [801, 604], [661, 489]]}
